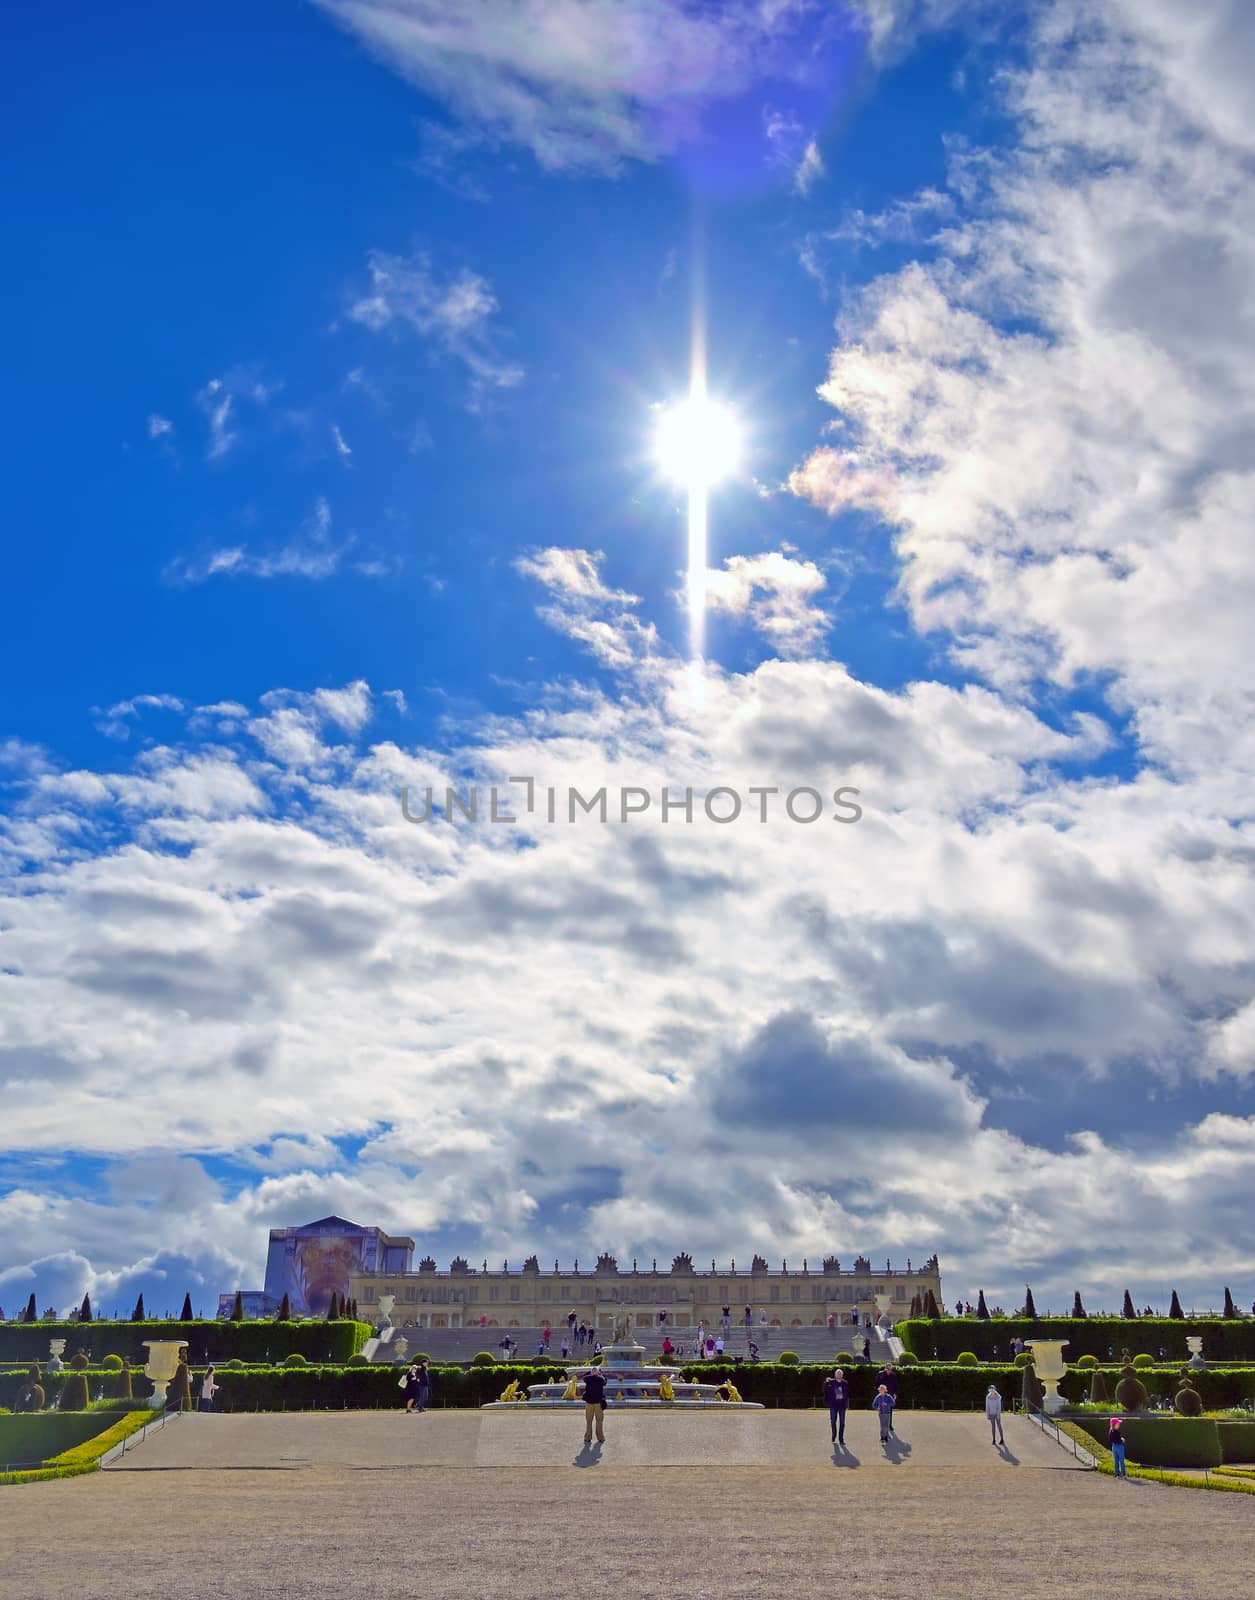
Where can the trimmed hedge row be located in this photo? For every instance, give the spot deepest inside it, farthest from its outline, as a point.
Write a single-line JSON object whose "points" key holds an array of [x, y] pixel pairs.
{"points": [[206, 1341], [1179, 1441], [944, 1339], [52, 1384], [367, 1388]]}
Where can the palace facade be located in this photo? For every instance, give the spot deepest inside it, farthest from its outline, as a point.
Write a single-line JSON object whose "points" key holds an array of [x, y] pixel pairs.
{"points": [[608, 1295]]}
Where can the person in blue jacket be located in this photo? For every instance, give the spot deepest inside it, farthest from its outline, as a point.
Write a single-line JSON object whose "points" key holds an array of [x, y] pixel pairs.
{"points": [[837, 1399], [884, 1404]]}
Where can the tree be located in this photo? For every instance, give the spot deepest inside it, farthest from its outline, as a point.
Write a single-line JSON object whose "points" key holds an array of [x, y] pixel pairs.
{"points": [[85, 1310], [333, 1307], [1230, 1310], [1078, 1310], [1030, 1310], [186, 1314], [1128, 1310], [982, 1310], [931, 1308], [138, 1314], [1174, 1310], [284, 1313], [237, 1310], [31, 1314]]}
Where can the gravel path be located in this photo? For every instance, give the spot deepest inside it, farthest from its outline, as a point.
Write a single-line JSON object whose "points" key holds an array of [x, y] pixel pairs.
{"points": [[362, 1506]]}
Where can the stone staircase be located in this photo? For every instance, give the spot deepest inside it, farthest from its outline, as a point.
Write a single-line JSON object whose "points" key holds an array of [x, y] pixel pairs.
{"points": [[819, 1345]]}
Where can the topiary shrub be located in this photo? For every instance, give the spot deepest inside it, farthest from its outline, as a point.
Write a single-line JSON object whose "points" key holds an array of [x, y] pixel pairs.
{"points": [[787, 1358], [31, 1396], [236, 1363], [1032, 1390], [1188, 1403], [906, 1359], [179, 1390], [1131, 1391], [1088, 1361], [112, 1363], [1024, 1359], [122, 1383], [359, 1360], [966, 1358], [483, 1358], [74, 1394], [295, 1360], [79, 1361], [1098, 1390], [1143, 1360]]}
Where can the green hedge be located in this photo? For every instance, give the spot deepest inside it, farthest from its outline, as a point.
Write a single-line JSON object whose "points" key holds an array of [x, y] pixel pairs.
{"points": [[37, 1438], [206, 1341], [52, 1383], [1237, 1441], [1223, 1340], [1163, 1441], [368, 1388]]}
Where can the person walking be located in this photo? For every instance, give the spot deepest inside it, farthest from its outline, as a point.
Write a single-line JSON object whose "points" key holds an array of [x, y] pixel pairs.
{"points": [[208, 1389], [594, 1405], [1115, 1443], [890, 1379], [749, 1318], [883, 1403], [726, 1318], [837, 1399], [570, 1322], [566, 1349], [993, 1410], [548, 1334], [719, 1345], [867, 1350], [423, 1395], [409, 1386]]}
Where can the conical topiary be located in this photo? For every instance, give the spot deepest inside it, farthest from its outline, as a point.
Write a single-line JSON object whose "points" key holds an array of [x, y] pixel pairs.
{"points": [[1127, 1310], [138, 1314], [74, 1393], [1078, 1310], [1030, 1310], [122, 1383], [982, 1310], [85, 1310], [1174, 1310], [1032, 1390], [179, 1390], [1230, 1310], [1098, 1390], [284, 1313], [931, 1309], [31, 1314], [186, 1314], [332, 1305], [1188, 1403], [237, 1309]]}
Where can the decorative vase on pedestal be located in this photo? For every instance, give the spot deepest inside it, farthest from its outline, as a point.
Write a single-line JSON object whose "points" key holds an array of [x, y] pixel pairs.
{"points": [[1050, 1366], [164, 1356]]}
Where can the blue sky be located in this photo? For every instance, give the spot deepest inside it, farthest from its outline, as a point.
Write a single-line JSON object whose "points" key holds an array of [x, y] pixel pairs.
{"points": [[338, 335]]}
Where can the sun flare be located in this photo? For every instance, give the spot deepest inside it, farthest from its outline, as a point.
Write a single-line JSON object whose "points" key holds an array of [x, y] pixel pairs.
{"points": [[697, 442]]}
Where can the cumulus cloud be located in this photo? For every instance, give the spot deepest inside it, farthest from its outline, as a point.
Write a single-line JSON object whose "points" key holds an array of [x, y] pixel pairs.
{"points": [[582, 606], [776, 594]]}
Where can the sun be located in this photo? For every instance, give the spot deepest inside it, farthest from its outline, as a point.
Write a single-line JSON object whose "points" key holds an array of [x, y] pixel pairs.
{"points": [[697, 442]]}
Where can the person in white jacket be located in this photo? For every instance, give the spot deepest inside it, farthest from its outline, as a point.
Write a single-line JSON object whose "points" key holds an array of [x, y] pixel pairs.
{"points": [[208, 1389], [993, 1410]]}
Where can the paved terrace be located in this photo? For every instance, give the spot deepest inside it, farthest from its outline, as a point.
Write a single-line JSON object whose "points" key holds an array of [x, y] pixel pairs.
{"points": [[699, 1506]]}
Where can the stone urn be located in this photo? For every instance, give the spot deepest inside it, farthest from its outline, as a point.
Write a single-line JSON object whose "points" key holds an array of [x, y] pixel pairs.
{"points": [[1194, 1344], [1050, 1366], [386, 1303], [164, 1356], [56, 1348]]}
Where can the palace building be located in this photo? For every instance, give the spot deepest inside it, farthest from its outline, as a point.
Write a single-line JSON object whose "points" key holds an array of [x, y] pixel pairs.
{"points": [[608, 1295]]}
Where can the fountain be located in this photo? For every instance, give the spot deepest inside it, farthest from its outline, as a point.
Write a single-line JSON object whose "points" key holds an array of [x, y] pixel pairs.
{"points": [[164, 1356], [630, 1386]]}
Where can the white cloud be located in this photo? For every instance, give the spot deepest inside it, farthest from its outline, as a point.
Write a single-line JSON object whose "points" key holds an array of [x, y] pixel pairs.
{"points": [[586, 609], [218, 405], [809, 169], [311, 554], [343, 449], [457, 312], [588, 86], [776, 594], [157, 426]]}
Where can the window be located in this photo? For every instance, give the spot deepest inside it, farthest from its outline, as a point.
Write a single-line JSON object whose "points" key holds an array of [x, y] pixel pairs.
{"points": [[775, 1291], [545, 1291], [514, 1291], [797, 1291]]}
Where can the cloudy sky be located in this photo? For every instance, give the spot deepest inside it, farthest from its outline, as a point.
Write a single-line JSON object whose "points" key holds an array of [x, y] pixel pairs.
{"points": [[339, 336]]}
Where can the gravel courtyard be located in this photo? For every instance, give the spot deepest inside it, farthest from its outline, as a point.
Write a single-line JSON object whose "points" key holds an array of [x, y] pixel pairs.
{"points": [[493, 1504]]}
